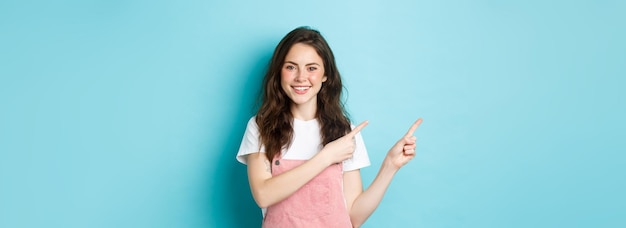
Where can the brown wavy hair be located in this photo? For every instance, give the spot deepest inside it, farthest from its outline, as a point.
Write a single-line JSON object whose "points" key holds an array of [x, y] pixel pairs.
{"points": [[274, 117]]}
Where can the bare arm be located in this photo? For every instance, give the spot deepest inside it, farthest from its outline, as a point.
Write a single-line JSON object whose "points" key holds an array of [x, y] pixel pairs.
{"points": [[361, 204], [268, 190]]}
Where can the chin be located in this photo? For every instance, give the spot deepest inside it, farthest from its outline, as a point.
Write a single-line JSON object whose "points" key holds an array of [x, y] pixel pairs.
{"points": [[301, 101]]}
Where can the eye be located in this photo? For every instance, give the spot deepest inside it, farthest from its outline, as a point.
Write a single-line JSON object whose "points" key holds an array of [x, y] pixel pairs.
{"points": [[312, 68], [290, 67]]}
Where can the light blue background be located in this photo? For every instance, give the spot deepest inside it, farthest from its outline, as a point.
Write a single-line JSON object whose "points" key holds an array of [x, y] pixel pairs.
{"points": [[129, 113]]}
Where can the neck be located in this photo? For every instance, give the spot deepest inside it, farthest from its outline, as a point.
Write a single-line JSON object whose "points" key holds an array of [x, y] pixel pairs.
{"points": [[304, 111]]}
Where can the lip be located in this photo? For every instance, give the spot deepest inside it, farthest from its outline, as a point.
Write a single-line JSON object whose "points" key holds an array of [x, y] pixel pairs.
{"points": [[301, 89]]}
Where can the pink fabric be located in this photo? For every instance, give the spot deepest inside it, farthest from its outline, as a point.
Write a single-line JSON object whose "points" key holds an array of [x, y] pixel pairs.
{"points": [[319, 203]]}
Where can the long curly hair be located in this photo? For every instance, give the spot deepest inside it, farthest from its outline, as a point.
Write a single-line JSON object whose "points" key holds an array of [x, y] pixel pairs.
{"points": [[274, 117]]}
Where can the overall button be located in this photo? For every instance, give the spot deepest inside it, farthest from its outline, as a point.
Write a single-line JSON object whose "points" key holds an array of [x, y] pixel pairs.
{"points": [[277, 162]]}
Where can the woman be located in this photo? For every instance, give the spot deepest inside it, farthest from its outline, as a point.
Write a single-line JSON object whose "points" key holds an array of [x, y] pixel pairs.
{"points": [[303, 157]]}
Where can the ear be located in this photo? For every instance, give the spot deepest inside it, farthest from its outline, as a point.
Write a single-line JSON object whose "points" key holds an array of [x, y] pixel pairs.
{"points": [[324, 78]]}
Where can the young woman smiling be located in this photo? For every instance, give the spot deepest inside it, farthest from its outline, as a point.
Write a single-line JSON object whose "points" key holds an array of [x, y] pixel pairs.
{"points": [[303, 155]]}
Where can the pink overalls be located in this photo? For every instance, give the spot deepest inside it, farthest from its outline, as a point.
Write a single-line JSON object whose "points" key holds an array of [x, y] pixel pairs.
{"points": [[319, 203]]}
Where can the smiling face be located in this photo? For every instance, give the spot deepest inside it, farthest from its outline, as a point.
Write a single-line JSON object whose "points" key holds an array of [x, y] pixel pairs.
{"points": [[302, 75]]}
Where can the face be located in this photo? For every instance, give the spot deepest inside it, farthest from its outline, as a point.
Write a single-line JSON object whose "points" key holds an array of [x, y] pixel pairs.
{"points": [[302, 75]]}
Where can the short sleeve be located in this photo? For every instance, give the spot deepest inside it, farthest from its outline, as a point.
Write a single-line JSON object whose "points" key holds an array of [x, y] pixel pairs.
{"points": [[250, 142], [359, 159]]}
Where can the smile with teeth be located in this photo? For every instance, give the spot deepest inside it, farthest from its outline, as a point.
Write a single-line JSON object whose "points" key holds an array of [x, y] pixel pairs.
{"points": [[301, 89]]}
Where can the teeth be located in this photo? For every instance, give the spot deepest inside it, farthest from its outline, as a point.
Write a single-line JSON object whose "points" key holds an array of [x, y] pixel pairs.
{"points": [[302, 88]]}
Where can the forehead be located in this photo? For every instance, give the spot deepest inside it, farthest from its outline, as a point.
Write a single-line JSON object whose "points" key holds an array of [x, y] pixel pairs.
{"points": [[303, 54]]}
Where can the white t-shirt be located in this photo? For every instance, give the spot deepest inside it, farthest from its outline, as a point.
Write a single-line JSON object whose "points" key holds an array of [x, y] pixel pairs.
{"points": [[306, 143]]}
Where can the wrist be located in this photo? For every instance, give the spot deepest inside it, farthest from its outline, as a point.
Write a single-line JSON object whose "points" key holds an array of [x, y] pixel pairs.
{"points": [[389, 166], [322, 158]]}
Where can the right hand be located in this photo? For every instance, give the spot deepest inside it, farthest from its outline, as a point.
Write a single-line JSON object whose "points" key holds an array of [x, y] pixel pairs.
{"points": [[342, 148]]}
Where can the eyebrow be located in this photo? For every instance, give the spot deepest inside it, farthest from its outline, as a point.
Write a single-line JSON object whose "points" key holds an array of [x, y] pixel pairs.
{"points": [[308, 64]]}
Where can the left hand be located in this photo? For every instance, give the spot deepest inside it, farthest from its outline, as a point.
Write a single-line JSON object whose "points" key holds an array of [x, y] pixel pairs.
{"points": [[404, 150]]}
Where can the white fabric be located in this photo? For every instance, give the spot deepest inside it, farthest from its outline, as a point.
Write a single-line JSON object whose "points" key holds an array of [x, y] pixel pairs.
{"points": [[305, 145]]}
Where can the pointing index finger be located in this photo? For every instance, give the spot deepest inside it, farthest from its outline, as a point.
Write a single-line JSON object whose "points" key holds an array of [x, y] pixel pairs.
{"points": [[358, 129], [414, 126]]}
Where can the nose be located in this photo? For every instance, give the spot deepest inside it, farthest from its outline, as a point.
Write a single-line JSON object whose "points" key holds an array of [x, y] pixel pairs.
{"points": [[299, 76]]}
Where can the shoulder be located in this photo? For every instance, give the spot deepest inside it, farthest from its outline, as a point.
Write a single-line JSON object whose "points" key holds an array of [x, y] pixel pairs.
{"points": [[252, 123], [252, 120], [252, 129]]}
